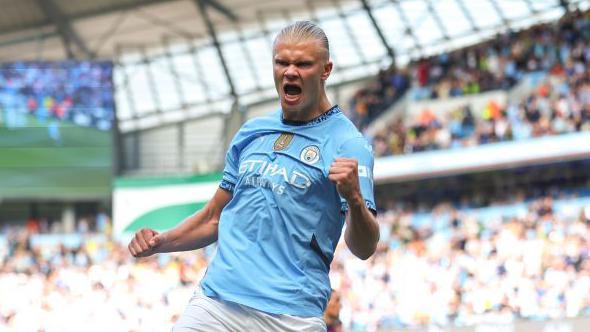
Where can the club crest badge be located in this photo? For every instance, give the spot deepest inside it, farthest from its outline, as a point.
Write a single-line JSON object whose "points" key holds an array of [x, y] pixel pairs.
{"points": [[310, 154], [282, 141]]}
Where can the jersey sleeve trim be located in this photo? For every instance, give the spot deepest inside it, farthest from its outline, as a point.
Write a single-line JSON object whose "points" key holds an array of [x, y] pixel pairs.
{"points": [[229, 186], [370, 205]]}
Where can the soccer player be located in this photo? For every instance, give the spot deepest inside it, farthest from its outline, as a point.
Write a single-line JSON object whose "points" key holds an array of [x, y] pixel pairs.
{"points": [[290, 179]]}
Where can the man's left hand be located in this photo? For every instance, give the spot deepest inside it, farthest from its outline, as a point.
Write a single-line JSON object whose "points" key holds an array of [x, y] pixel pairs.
{"points": [[344, 173]]}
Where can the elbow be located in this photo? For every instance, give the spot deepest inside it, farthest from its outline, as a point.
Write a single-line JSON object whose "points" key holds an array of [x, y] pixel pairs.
{"points": [[362, 243], [370, 247], [364, 257], [366, 254]]}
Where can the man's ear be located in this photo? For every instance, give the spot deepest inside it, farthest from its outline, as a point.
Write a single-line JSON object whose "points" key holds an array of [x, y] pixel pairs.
{"points": [[327, 70]]}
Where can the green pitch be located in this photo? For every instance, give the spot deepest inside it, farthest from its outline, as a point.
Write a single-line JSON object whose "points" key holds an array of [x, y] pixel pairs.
{"points": [[54, 160]]}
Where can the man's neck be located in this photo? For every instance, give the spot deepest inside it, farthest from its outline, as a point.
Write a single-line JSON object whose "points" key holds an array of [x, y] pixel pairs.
{"points": [[304, 115]]}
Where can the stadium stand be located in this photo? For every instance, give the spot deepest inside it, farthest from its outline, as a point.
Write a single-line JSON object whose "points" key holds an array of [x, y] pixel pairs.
{"points": [[448, 266], [556, 53], [369, 102], [464, 267], [559, 105]]}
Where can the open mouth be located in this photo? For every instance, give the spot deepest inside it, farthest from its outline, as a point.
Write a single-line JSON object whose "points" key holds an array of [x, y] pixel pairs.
{"points": [[292, 89]]}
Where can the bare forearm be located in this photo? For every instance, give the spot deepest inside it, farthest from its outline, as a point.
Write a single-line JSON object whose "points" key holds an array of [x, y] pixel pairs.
{"points": [[194, 232], [197, 231], [362, 230]]}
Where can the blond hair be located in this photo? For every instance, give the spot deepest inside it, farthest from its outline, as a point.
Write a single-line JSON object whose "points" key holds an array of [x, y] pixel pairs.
{"points": [[303, 31]]}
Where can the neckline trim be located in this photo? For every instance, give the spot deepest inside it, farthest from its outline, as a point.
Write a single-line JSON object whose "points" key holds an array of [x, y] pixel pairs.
{"points": [[319, 119]]}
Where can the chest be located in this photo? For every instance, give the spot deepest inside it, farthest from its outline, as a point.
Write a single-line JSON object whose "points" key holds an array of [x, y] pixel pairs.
{"points": [[285, 162]]}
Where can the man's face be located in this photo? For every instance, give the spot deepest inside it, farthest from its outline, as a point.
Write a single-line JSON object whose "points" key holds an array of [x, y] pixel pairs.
{"points": [[299, 70]]}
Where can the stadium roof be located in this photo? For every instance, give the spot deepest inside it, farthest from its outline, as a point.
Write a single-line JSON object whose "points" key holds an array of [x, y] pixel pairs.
{"points": [[206, 54], [97, 28], [81, 25]]}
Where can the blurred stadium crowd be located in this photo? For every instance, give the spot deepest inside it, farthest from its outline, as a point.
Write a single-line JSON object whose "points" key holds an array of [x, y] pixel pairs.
{"points": [[369, 102], [89, 279], [65, 91], [558, 52], [463, 267], [449, 266]]}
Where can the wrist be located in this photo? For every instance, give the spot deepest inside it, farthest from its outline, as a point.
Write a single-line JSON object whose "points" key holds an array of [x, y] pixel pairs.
{"points": [[355, 201], [162, 242]]}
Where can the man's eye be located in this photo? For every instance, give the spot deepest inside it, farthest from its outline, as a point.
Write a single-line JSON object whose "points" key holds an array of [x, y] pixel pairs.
{"points": [[281, 63], [304, 64]]}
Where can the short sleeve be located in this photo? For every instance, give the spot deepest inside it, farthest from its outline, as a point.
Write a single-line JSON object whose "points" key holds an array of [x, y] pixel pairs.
{"points": [[358, 148], [232, 161], [230, 171]]}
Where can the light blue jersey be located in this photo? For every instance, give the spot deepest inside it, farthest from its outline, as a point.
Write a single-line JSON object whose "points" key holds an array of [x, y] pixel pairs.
{"points": [[278, 233]]}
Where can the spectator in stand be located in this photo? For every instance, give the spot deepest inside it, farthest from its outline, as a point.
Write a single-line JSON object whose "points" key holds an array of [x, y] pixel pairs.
{"points": [[524, 261], [560, 104], [369, 102], [498, 63], [459, 269]]}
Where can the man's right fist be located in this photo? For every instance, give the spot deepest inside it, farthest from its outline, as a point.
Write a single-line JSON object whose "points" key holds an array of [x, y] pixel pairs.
{"points": [[145, 242]]}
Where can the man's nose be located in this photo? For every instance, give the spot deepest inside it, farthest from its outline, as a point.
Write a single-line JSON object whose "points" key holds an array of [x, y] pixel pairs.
{"points": [[291, 72]]}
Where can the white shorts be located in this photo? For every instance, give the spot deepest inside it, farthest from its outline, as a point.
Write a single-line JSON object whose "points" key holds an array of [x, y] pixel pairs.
{"points": [[205, 314]]}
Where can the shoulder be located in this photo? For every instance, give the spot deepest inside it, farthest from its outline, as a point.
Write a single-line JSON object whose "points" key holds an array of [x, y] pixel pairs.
{"points": [[348, 137], [258, 123]]}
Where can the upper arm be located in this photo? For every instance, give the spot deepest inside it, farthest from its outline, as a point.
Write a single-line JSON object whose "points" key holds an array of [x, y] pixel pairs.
{"points": [[232, 157], [230, 175], [217, 203]]}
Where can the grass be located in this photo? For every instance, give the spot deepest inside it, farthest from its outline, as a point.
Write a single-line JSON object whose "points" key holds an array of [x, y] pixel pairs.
{"points": [[34, 165]]}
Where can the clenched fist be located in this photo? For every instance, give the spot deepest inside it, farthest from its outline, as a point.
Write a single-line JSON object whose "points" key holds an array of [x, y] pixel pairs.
{"points": [[344, 173], [145, 242]]}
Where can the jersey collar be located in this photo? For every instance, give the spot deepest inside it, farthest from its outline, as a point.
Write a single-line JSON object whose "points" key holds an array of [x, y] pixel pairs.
{"points": [[319, 119]]}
